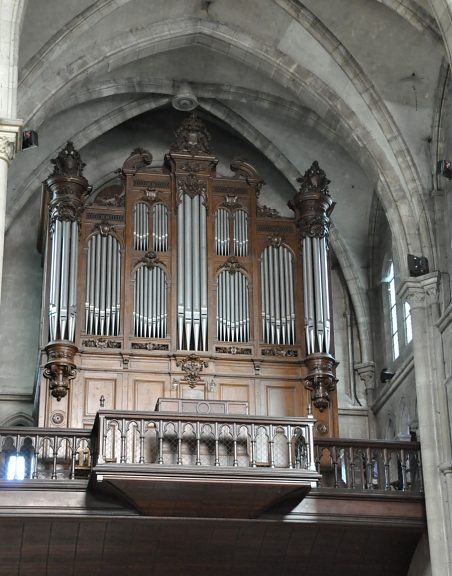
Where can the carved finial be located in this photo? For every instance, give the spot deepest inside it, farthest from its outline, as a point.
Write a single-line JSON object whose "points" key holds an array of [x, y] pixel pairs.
{"points": [[68, 162], [192, 136], [315, 178]]}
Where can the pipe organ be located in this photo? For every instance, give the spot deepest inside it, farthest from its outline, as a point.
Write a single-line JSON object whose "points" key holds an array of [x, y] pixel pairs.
{"points": [[177, 282]]}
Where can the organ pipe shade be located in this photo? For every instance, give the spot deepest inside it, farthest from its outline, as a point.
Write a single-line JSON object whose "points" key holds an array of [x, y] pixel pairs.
{"points": [[233, 307], [277, 296], [141, 226], [191, 274], [150, 301], [159, 228], [63, 281], [317, 319], [103, 286]]}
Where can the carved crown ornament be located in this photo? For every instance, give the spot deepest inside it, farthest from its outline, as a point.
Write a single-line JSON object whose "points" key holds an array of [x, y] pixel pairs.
{"points": [[192, 365], [313, 204], [192, 137]]}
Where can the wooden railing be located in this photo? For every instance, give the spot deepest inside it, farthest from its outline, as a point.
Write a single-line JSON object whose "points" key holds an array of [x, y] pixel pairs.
{"points": [[193, 440], [369, 465], [168, 439], [44, 453]]}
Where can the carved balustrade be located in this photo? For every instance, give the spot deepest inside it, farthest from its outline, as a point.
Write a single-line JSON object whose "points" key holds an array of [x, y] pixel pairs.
{"points": [[44, 453], [369, 465], [197, 440]]}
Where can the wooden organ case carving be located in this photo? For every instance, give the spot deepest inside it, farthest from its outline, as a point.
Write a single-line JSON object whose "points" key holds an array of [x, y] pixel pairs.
{"points": [[177, 283]]}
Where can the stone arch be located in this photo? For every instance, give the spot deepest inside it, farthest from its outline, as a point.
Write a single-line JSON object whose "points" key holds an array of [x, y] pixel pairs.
{"points": [[18, 419], [291, 75]]}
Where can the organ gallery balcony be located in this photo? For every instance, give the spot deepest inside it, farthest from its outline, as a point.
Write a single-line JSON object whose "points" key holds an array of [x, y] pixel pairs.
{"points": [[193, 464]]}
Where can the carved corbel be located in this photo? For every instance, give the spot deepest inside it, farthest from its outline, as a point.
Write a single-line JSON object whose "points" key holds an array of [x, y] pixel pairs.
{"points": [[320, 379], [60, 368]]}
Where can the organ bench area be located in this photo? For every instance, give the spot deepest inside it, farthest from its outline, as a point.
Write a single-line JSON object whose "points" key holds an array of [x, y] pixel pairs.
{"points": [[177, 283]]}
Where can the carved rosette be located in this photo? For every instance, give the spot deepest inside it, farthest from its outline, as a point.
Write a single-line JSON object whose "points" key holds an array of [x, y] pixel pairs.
{"points": [[313, 204], [192, 365], [67, 186], [320, 379], [60, 368]]}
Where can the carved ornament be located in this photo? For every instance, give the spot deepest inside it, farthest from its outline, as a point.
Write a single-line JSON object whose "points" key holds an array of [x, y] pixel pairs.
{"points": [[192, 137], [150, 346], [233, 350], [232, 265], [192, 366], [104, 228], [193, 186], [245, 170], [65, 207], [313, 204], [101, 343], [267, 212], [230, 202], [150, 260], [280, 352], [68, 162], [139, 158], [60, 368], [7, 148], [320, 379], [111, 196], [275, 240]]}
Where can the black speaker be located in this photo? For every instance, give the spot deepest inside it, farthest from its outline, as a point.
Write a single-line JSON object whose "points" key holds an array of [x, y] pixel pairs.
{"points": [[417, 265], [29, 139]]}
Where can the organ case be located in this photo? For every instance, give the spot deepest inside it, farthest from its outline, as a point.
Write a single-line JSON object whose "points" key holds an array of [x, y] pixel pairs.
{"points": [[176, 282]]}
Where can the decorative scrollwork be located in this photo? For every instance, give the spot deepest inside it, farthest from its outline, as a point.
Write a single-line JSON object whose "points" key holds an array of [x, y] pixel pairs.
{"points": [[150, 346], [280, 352], [233, 350], [101, 343], [139, 158], [192, 366]]}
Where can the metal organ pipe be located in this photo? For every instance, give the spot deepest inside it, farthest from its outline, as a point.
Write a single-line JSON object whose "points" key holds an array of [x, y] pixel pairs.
{"points": [[150, 302], [141, 226], [63, 281], [103, 271], [160, 228], [233, 307], [192, 274], [278, 306]]}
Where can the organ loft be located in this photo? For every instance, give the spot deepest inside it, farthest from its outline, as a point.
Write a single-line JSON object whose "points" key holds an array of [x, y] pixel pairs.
{"points": [[177, 283]]}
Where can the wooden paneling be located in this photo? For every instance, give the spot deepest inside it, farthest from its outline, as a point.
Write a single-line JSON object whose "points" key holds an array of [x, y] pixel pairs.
{"points": [[282, 399], [94, 389], [146, 393]]}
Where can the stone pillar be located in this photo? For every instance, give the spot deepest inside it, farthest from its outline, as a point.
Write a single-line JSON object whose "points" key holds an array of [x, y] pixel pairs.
{"points": [[9, 135], [366, 372], [423, 296]]}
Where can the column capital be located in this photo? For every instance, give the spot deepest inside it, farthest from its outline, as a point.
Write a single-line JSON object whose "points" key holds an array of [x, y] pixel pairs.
{"points": [[422, 291], [366, 371], [10, 131]]}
